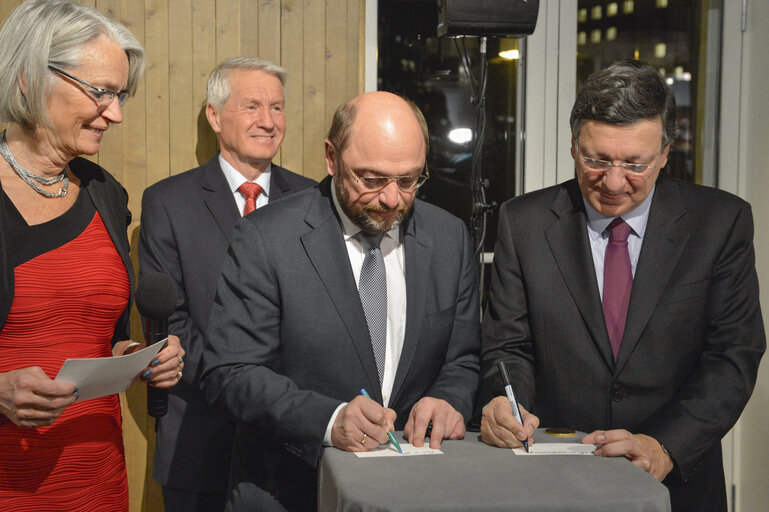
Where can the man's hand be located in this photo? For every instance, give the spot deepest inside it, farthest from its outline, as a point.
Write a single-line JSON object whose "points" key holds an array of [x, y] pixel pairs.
{"points": [[642, 450], [30, 399], [500, 428], [447, 422], [361, 425]]}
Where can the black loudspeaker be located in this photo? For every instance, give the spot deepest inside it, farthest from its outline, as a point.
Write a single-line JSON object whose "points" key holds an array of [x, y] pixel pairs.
{"points": [[511, 18]]}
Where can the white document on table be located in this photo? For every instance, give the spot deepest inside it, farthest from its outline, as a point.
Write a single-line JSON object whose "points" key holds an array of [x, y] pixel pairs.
{"points": [[101, 376], [388, 450], [557, 449]]}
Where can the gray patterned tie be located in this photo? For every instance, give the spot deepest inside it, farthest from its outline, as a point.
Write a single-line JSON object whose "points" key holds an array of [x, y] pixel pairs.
{"points": [[373, 296]]}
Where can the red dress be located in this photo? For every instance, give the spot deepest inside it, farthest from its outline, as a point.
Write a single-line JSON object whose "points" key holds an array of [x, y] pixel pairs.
{"points": [[67, 300]]}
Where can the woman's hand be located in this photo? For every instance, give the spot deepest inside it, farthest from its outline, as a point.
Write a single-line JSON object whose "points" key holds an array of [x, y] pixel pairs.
{"points": [[123, 348], [166, 369], [30, 399]]}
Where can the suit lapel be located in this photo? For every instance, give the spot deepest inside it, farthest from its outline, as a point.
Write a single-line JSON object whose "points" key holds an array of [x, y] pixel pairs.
{"points": [[418, 248], [279, 187], [568, 241], [663, 243], [218, 198], [325, 247]]}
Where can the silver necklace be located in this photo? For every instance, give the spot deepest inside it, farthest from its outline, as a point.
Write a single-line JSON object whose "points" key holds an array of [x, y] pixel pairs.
{"points": [[28, 177]]}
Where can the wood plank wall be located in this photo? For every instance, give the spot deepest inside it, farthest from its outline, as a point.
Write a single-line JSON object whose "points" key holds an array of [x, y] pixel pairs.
{"points": [[164, 131]]}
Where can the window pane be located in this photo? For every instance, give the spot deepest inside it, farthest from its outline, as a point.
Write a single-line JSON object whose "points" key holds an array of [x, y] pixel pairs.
{"points": [[413, 61], [678, 37]]}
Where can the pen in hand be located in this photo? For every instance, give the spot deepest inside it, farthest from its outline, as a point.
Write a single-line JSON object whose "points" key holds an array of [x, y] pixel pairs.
{"points": [[390, 435], [511, 396]]}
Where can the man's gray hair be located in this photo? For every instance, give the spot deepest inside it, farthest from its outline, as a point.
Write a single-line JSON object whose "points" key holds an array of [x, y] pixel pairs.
{"points": [[624, 93], [40, 33], [218, 89]]}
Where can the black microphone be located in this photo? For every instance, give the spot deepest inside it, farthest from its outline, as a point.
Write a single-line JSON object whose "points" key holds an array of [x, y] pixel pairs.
{"points": [[156, 300]]}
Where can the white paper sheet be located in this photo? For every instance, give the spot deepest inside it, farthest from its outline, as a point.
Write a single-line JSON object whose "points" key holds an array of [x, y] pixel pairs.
{"points": [[101, 376], [388, 450], [557, 449]]}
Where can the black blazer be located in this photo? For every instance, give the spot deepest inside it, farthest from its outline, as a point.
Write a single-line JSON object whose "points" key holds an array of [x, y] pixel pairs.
{"points": [[692, 343], [111, 201], [288, 341], [186, 226]]}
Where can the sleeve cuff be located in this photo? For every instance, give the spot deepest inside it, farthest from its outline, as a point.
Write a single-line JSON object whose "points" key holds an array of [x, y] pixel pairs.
{"points": [[327, 436]]}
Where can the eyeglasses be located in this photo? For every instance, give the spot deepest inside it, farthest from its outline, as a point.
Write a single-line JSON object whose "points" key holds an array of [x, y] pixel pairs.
{"points": [[604, 165], [408, 182], [102, 97]]}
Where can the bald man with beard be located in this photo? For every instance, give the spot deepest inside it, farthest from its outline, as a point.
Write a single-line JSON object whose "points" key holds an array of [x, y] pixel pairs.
{"points": [[290, 346]]}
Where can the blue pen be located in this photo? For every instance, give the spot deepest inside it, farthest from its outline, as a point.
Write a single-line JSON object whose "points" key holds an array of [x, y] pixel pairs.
{"points": [[390, 435], [511, 396]]}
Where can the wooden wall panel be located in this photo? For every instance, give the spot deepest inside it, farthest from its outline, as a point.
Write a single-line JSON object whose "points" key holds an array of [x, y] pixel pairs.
{"points": [[203, 62], [110, 156], [269, 30], [314, 84], [164, 130], [183, 108], [6, 8], [136, 117], [335, 51], [249, 23], [156, 86], [292, 26], [356, 50], [227, 30]]}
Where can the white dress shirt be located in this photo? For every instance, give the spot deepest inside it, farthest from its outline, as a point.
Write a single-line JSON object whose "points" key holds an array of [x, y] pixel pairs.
{"points": [[395, 269], [235, 180], [598, 234]]}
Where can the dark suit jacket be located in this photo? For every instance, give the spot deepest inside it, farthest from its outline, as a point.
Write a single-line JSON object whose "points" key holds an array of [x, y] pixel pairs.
{"points": [[186, 224], [693, 338], [111, 201], [288, 340]]}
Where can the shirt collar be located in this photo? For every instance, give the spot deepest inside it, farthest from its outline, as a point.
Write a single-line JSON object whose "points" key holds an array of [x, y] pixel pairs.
{"points": [[637, 218], [349, 228], [235, 179]]}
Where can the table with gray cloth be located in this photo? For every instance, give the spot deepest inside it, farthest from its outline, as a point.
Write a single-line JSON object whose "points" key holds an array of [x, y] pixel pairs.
{"points": [[471, 475]]}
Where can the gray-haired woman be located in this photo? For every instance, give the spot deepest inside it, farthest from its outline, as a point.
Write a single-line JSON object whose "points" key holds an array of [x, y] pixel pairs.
{"points": [[65, 273]]}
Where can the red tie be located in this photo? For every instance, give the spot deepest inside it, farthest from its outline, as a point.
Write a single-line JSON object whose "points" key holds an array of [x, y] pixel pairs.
{"points": [[250, 191], [617, 282]]}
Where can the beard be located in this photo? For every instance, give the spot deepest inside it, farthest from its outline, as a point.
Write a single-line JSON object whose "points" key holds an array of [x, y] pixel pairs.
{"points": [[363, 218]]}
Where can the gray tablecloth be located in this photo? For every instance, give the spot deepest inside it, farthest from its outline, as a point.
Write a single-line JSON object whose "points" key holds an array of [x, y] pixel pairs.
{"points": [[472, 476]]}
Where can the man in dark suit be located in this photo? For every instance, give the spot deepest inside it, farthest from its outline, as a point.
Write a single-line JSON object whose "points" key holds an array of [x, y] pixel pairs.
{"points": [[186, 226], [290, 345], [650, 340]]}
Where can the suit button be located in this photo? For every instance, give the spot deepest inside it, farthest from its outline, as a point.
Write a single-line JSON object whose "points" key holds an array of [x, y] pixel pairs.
{"points": [[617, 395]]}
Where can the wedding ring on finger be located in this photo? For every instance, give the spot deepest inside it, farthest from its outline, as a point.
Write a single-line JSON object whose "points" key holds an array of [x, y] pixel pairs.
{"points": [[363, 441], [179, 375]]}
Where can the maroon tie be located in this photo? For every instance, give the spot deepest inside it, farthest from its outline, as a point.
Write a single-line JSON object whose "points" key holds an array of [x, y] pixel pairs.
{"points": [[617, 282], [250, 191]]}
